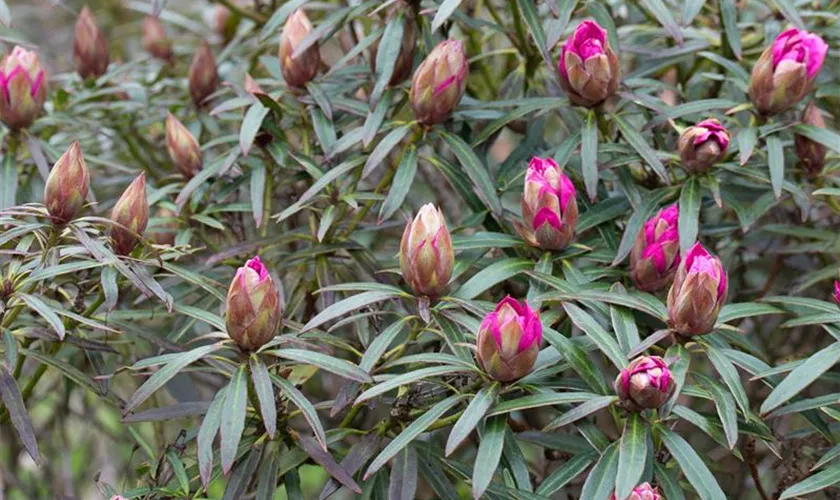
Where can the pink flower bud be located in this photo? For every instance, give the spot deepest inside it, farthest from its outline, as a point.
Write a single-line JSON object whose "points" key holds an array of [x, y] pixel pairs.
{"points": [[439, 82], [644, 491], [297, 71], [589, 69], [786, 71], [202, 74], [90, 48], [182, 147], [130, 215], [656, 252], [155, 40], [24, 87], [698, 293], [426, 254], [405, 59], [646, 383], [508, 340], [837, 291], [811, 154], [702, 145], [67, 185], [254, 306], [549, 208]]}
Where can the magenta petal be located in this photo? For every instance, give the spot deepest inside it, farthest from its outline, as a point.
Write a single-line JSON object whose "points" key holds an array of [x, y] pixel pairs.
{"points": [[567, 191], [257, 265], [39, 80], [444, 85], [723, 280], [817, 49], [586, 31], [702, 137], [513, 303], [655, 253], [694, 251], [780, 45], [561, 64], [546, 216]]}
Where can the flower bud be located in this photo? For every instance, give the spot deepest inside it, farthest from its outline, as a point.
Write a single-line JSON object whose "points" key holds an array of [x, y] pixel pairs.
{"points": [[698, 293], [508, 340], [702, 145], [439, 82], [811, 154], [67, 185], [24, 87], [182, 147], [130, 216], [646, 383], [297, 71], [254, 306], [549, 209], [223, 21], [90, 48], [656, 252], [786, 70], [405, 59], [426, 254], [837, 291], [155, 40], [202, 74], [644, 491], [165, 229], [589, 69]]}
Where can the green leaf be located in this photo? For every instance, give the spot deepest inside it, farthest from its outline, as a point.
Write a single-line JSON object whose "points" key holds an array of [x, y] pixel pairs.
{"points": [[258, 193], [790, 12], [265, 394], [817, 482], [824, 136], [729, 17], [747, 139], [776, 163], [598, 10], [166, 373], [596, 332], [730, 377], [692, 465], [581, 411], [279, 17], [233, 417], [381, 151], [706, 424], [689, 213], [562, 475], [547, 398], [624, 325], [476, 171], [529, 13], [702, 106], [8, 181], [801, 377], [666, 479], [406, 378], [13, 401], [725, 404], [635, 139], [337, 366], [489, 454], [44, 311], [662, 14], [491, 275], [343, 307], [386, 56], [401, 185], [410, 433], [307, 410], [633, 453], [580, 362], [475, 411], [251, 126], [380, 344], [601, 479], [679, 359], [446, 9], [589, 155]]}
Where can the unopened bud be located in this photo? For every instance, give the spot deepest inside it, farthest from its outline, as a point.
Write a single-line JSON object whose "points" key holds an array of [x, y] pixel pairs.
{"points": [[67, 185], [439, 82], [254, 306], [703, 145], [24, 88], [786, 71], [405, 59], [811, 153], [426, 254], [202, 74], [698, 293], [656, 252], [589, 69], [297, 71], [508, 340], [130, 216], [90, 48], [155, 40], [549, 208], [182, 147], [643, 491], [646, 383]]}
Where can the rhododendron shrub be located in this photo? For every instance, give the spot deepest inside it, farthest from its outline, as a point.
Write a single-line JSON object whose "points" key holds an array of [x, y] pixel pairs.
{"points": [[500, 249]]}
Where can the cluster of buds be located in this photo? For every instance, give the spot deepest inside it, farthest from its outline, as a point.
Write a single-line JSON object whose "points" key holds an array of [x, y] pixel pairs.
{"points": [[426, 254], [786, 71], [254, 306], [23, 84], [90, 48], [703, 145], [182, 147], [645, 384], [405, 59], [298, 71], [656, 252], [155, 40], [439, 82], [698, 293], [589, 69], [67, 186], [643, 491], [130, 216], [549, 208], [203, 77], [811, 154], [508, 340]]}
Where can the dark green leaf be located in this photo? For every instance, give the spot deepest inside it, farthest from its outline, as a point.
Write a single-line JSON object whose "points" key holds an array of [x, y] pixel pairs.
{"points": [[589, 155], [633, 453], [13, 401], [692, 466], [489, 454], [233, 417]]}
